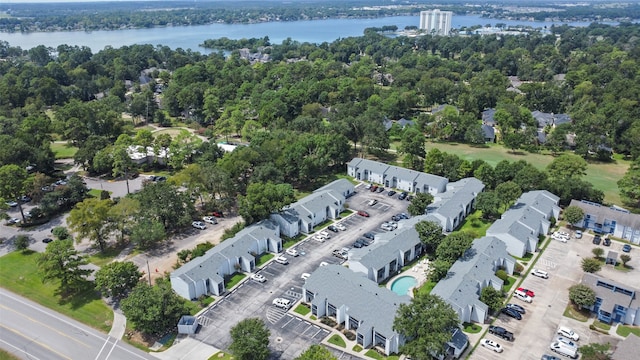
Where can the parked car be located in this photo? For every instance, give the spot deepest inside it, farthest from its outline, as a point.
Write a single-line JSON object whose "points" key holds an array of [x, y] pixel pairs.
{"points": [[305, 276], [549, 357], [527, 292], [324, 234], [501, 332], [380, 189], [368, 186], [409, 198], [391, 193], [258, 278], [363, 213], [491, 345], [333, 228], [11, 204], [402, 195], [47, 240], [319, 238], [369, 235], [566, 341], [282, 303], [217, 214], [578, 234], [564, 349], [626, 248], [198, 225], [522, 296], [373, 188], [13, 221], [517, 308], [210, 219], [282, 260], [357, 245], [341, 227], [293, 252], [540, 273], [607, 241], [386, 227], [512, 313], [365, 241], [372, 202], [568, 333], [339, 254], [596, 240]]}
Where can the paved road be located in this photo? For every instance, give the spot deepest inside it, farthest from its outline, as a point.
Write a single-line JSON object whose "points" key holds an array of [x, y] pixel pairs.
{"points": [[30, 331]]}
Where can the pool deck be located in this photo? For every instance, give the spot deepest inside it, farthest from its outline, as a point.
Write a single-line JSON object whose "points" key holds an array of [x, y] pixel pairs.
{"points": [[418, 271]]}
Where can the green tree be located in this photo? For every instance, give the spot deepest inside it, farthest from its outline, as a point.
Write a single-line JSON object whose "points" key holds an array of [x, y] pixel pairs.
{"points": [[412, 146], [566, 167], [21, 243], [595, 351], [430, 233], [427, 323], [250, 340], [61, 232], [116, 279], [454, 246], [90, 219], [147, 232], [489, 203], [153, 309], [492, 298], [582, 296], [165, 203], [591, 265], [60, 261], [598, 252], [13, 184], [263, 199], [122, 164], [508, 192], [486, 174], [573, 214], [122, 215], [316, 352], [438, 270], [625, 258], [419, 204], [629, 185]]}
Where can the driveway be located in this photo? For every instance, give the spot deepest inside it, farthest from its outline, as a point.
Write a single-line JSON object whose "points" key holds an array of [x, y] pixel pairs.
{"points": [[291, 335]]}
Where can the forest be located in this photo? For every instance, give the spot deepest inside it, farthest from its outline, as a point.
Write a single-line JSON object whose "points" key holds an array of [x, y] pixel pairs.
{"points": [[309, 109], [29, 17]]}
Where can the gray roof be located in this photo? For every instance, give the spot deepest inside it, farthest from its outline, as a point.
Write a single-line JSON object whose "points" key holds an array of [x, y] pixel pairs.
{"points": [[542, 118], [610, 298], [373, 166], [316, 202], [523, 219], [387, 246], [341, 186], [542, 137], [487, 116], [559, 119], [599, 213], [457, 196], [627, 348], [432, 180], [366, 301], [404, 122], [390, 171], [459, 339], [489, 131], [355, 162], [461, 288], [387, 123]]}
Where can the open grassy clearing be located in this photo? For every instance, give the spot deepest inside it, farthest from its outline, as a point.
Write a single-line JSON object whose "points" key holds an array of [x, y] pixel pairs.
{"points": [[19, 273], [172, 132], [475, 224], [63, 151], [603, 176]]}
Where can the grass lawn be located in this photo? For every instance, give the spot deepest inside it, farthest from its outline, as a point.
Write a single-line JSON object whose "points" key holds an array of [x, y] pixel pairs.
{"points": [[573, 313], [264, 258], [3, 354], [471, 328], [63, 151], [289, 242], [106, 257], [600, 325], [19, 273], [172, 132], [221, 356], [357, 348], [509, 284], [337, 340], [603, 176], [302, 310], [475, 224], [235, 279], [624, 330], [528, 256], [427, 287], [374, 354]]}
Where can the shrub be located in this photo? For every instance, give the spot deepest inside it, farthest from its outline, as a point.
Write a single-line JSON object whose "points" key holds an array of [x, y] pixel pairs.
{"points": [[349, 335], [328, 321], [502, 275], [60, 232], [519, 268]]}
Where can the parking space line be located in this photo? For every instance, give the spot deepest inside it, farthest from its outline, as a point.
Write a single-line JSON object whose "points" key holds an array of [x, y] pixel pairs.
{"points": [[287, 323]]}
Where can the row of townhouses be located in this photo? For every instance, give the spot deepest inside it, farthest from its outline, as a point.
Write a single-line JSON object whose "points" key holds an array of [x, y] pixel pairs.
{"points": [[613, 220]]}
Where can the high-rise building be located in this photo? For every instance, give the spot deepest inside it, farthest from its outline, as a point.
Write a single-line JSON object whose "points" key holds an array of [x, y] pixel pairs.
{"points": [[436, 22]]}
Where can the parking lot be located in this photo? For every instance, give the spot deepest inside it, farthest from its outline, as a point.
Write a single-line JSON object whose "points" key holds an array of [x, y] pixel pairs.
{"points": [[291, 335], [544, 315]]}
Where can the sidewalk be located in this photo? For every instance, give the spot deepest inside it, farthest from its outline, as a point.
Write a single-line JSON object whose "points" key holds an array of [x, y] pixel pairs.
{"points": [[187, 348]]}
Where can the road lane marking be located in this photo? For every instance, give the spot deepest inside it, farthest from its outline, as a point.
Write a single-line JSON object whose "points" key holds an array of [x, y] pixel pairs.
{"points": [[45, 325], [31, 356], [33, 340]]}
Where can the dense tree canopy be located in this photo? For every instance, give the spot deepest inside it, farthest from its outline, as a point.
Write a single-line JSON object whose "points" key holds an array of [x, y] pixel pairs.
{"points": [[250, 340]]}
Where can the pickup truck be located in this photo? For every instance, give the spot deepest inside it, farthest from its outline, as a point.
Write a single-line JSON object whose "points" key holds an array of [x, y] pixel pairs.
{"points": [[341, 254], [501, 332]]}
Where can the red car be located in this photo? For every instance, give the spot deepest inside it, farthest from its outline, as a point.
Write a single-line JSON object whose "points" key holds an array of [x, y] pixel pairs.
{"points": [[363, 213], [217, 214], [527, 291]]}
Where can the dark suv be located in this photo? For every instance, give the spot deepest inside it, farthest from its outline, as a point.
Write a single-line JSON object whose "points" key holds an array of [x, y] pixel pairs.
{"points": [[596, 240], [511, 312], [501, 332]]}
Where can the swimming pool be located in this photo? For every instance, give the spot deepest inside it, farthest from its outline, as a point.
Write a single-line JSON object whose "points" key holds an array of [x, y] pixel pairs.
{"points": [[402, 284]]}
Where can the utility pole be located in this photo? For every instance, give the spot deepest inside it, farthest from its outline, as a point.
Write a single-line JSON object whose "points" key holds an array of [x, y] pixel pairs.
{"points": [[148, 272]]}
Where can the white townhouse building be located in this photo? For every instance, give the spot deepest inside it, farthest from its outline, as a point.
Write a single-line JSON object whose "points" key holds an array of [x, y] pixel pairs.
{"points": [[451, 207], [389, 252], [613, 220], [520, 226], [205, 275], [474, 271], [396, 177], [325, 203], [357, 303]]}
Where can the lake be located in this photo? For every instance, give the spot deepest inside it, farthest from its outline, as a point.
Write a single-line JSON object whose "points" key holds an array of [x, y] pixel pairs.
{"points": [[189, 37]]}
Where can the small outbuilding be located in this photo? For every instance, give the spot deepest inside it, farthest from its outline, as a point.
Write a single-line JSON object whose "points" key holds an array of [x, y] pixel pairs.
{"points": [[187, 325], [612, 258]]}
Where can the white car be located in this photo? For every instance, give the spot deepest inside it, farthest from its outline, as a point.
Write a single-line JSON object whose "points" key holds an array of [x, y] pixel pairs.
{"points": [[305, 276], [210, 219], [578, 234], [318, 238], [292, 252], [341, 227], [566, 341], [282, 260], [491, 345], [198, 225], [568, 333], [324, 234], [282, 303], [540, 273], [372, 202], [258, 278]]}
